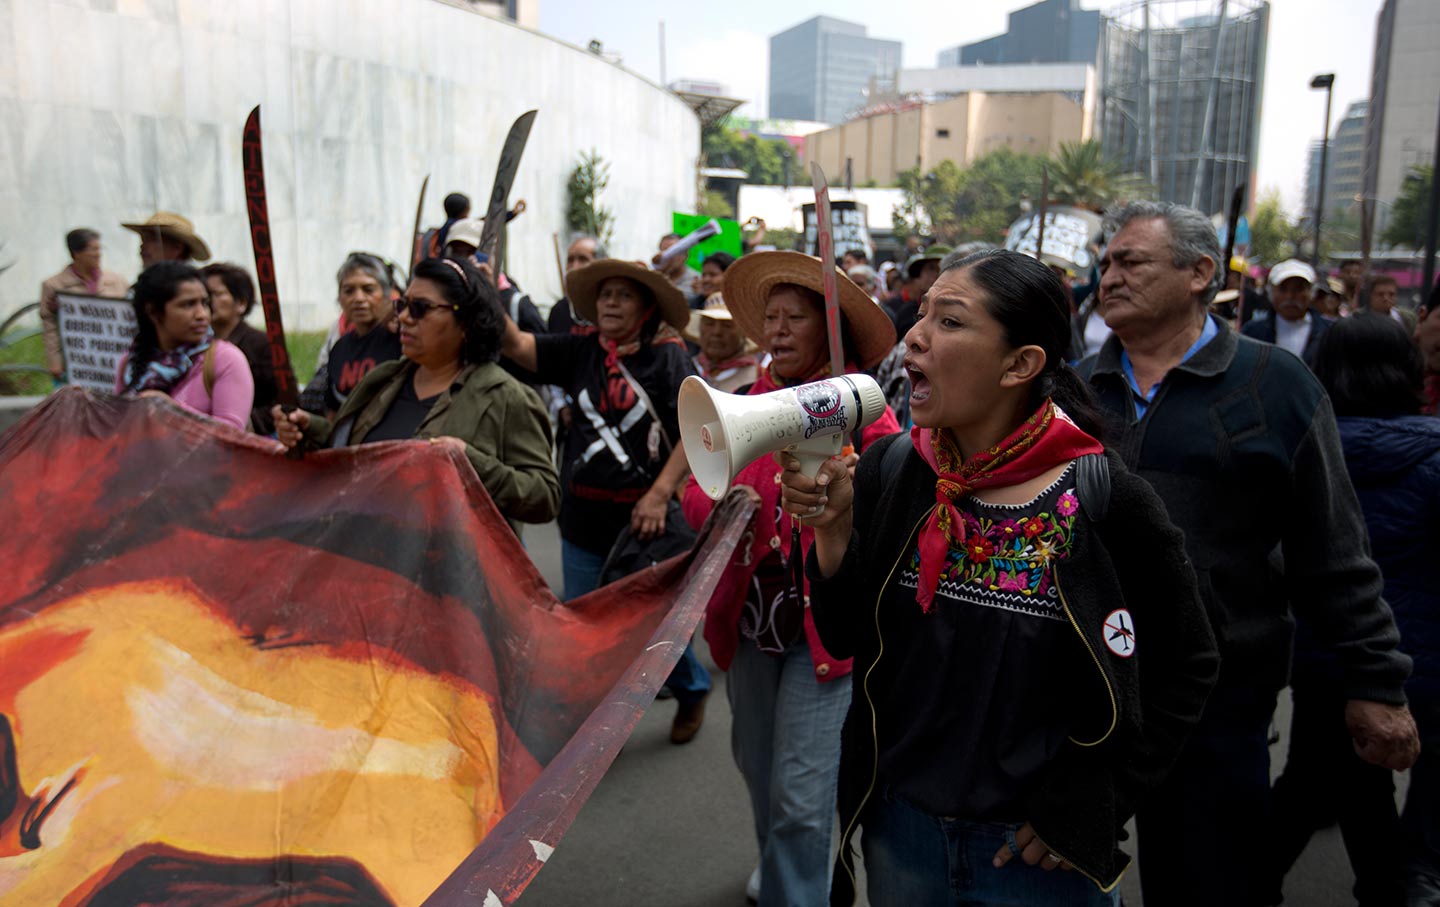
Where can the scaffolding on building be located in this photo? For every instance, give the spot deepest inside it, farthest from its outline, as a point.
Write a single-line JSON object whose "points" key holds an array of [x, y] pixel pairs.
{"points": [[1181, 82]]}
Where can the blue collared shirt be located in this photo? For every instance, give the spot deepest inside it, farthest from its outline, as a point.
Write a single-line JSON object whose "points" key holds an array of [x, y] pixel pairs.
{"points": [[1141, 400]]}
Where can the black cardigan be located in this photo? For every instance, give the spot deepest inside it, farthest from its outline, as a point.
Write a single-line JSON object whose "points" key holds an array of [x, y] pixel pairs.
{"points": [[1135, 559]]}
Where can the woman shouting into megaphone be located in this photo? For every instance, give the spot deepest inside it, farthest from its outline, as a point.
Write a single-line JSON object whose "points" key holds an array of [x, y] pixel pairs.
{"points": [[999, 580], [788, 694]]}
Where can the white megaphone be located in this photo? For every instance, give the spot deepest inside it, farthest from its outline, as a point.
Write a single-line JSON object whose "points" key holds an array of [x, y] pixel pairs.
{"points": [[723, 433]]}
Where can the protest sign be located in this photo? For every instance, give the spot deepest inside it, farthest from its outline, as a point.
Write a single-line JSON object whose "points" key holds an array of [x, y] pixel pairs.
{"points": [[95, 332], [851, 230], [729, 239], [1069, 235]]}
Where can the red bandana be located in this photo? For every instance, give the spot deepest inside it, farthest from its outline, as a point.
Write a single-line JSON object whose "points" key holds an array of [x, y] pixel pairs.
{"points": [[1045, 440]]}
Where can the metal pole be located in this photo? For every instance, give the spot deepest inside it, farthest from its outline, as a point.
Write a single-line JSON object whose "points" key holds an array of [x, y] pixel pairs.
{"points": [[1148, 110], [1320, 191], [1427, 286], [662, 53]]}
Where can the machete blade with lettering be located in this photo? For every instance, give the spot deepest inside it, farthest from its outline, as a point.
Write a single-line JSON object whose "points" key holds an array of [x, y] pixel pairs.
{"points": [[504, 179]]}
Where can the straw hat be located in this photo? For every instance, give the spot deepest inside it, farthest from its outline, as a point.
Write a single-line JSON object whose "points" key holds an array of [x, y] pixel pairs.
{"points": [[173, 226], [582, 286], [750, 279], [714, 308]]}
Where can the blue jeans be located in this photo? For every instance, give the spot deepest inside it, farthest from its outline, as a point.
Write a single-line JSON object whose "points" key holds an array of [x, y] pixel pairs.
{"points": [[690, 682], [786, 739], [914, 859]]}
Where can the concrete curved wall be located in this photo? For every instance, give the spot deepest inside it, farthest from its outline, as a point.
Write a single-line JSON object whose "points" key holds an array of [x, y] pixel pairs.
{"points": [[112, 108]]}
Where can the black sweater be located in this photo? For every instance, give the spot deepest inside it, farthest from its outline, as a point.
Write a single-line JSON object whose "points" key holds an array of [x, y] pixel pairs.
{"points": [[1241, 445], [1134, 559]]}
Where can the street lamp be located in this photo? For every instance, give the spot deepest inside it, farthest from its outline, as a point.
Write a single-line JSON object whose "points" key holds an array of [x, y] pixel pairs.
{"points": [[1327, 82]]}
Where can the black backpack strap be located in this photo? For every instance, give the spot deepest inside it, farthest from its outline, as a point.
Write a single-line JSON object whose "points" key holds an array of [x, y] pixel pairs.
{"points": [[892, 459], [1092, 485]]}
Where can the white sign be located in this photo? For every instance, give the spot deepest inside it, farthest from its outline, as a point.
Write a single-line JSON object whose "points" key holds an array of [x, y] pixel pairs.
{"points": [[95, 333], [1069, 234], [851, 230]]}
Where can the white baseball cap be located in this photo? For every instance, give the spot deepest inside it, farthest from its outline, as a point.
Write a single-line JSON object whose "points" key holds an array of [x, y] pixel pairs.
{"points": [[1291, 267], [466, 231]]}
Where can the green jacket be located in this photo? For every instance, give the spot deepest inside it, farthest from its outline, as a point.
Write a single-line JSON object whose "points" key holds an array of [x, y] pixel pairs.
{"points": [[504, 427]]}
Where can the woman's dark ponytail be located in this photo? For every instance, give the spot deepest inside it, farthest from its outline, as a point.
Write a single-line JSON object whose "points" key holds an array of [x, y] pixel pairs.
{"points": [[1070, 392]]}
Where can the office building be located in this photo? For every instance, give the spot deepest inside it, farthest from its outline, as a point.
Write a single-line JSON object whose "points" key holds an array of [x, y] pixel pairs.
{"points": [[823, 69], [1344, 166], [911, 133], [1404, 97], [1052, 31], [1175, 111]]}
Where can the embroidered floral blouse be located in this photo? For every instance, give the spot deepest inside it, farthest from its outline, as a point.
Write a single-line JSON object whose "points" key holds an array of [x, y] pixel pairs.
{"points": [[980, 706]]}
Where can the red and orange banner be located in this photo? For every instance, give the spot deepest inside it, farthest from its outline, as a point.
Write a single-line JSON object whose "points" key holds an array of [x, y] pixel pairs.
{"points": [[231, 678]]}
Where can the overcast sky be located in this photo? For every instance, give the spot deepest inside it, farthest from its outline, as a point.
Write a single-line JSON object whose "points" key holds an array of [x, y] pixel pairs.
{"points": [[729, 43]]}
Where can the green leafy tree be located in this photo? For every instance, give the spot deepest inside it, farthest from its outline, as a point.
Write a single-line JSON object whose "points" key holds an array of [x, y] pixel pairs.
{"points": [[979, 202], [762, 159], [1081, 175], [1406, 226], [1274, 237], [714, 204], [588, 182]]}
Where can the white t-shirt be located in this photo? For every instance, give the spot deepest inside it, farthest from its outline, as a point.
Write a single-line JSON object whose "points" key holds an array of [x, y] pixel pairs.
{"points": [[1292, 335]]}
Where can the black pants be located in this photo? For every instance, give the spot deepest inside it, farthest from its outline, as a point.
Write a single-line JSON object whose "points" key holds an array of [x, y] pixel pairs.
{"points": [[1324, 782], [1201, 830]]}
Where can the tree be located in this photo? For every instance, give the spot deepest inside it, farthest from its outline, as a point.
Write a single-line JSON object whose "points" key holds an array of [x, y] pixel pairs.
{"points": [[1406, 226], [1273, 236], [762, 159], [714, 204], [587, 182], [956, 205], [1081, 175]]}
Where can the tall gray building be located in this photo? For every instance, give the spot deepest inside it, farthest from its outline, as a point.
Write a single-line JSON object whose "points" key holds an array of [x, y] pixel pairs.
{"points": [[822, 69], [1404, 95], [1344, 166], [1180, 94], [1051, 31]]}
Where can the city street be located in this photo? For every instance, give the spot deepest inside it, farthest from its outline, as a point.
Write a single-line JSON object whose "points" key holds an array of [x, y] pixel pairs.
{"points": [[670, 825]]}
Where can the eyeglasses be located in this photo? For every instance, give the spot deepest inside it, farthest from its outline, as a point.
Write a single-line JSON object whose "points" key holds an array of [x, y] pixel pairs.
{"points": [[419, 308]]}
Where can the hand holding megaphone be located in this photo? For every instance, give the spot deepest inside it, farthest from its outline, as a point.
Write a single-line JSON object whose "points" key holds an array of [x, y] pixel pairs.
{"points": [[724, 433]]}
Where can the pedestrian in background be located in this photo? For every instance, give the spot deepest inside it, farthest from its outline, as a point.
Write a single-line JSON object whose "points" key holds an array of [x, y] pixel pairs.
{"points": [[1240, 443], [83, 275]]}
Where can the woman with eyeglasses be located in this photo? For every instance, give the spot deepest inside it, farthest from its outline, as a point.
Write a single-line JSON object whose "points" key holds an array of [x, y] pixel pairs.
{"points": [[448, 389]]}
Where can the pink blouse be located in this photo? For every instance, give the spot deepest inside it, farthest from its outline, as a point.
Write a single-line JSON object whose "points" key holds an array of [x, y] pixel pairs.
{"points": [[234, 391]]}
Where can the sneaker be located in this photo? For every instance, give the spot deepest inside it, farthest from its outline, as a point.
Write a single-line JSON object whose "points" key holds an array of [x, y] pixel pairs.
{"points": [[688, 719], [752, 887]]}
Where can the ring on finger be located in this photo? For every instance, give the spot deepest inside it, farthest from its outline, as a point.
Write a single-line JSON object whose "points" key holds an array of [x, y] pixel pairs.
{"points": [[1054, 857]]}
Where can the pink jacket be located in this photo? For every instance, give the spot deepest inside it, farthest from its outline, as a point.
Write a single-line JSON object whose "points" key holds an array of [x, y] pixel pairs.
{"points": [[768, 531], [234, 387]]}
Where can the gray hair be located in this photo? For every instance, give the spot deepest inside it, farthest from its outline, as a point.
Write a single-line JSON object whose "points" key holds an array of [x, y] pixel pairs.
{"points": [[1192, 235], [367, 264], [600, 251]]}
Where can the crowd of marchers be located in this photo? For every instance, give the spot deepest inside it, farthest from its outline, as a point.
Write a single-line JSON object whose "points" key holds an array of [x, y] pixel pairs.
{"points": [[1105, 521]]}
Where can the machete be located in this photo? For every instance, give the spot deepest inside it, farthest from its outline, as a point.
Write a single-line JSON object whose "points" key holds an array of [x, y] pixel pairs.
{"points": [[287, 394], [504, 179], [417, 242]]}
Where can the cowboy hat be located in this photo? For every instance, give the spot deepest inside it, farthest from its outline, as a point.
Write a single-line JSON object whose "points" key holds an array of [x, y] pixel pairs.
{"points": [[713, 308], [749, 281], [173, 226], [934, 253], [582, 286]]}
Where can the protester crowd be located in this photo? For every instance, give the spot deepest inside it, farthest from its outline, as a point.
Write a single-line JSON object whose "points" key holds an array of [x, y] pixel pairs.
{"points": [[1060, 583]]}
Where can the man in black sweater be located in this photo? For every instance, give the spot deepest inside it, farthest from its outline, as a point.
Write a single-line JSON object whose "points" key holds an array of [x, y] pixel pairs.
{"points": [[1241, 444]]}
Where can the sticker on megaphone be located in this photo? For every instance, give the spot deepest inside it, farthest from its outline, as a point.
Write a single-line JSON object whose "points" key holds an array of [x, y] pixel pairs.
{"points": [[723, 433]]}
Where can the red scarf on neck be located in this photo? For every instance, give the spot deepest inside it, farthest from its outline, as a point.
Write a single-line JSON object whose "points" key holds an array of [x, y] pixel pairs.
{"points": [[614, 349], [1045, 440]]}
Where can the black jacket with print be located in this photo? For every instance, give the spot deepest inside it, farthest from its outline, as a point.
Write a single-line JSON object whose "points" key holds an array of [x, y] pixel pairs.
{"points": [[1134, 559]]}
